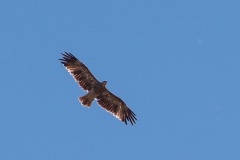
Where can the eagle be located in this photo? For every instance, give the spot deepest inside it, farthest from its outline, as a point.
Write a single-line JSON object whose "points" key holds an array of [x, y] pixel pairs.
{"points": [[96, 90]]}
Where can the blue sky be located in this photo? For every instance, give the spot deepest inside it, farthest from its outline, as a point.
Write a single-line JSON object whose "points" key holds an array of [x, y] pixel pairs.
{"points": [[175, 64]]}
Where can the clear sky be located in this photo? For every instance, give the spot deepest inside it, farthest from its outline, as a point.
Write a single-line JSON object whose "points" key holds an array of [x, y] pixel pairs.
{"points": [[175, 64]]}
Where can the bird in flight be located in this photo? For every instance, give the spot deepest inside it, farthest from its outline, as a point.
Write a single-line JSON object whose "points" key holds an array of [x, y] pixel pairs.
{"points": [[96, 90]]}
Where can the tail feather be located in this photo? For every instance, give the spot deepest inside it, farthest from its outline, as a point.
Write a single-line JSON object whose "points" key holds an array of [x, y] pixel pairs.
{"points": [[86, 100]]}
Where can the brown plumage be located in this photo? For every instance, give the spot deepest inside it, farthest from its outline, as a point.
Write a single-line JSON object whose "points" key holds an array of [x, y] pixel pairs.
{"points": [[96, 90]]}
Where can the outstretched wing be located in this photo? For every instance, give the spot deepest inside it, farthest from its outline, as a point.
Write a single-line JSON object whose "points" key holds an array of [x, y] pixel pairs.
{"points": [[79, 71], [116, 106]]}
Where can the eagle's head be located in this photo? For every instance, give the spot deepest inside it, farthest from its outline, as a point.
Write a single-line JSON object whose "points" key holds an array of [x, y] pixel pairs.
{"points": [[104, 83]]}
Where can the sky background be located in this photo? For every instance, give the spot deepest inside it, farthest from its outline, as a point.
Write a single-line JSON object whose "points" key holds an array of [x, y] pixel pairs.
{"points": [[175, 64]]}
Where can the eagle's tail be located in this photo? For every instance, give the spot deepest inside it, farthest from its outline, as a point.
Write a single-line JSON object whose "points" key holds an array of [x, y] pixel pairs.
{"points": [[86, 100]]}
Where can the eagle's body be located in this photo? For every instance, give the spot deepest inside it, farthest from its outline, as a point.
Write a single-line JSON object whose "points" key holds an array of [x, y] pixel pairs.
{"points": [[96, 90]]}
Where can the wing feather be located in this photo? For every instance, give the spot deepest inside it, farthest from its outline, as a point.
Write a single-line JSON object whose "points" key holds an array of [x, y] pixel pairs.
{"points": [[116, 106], [79, 71]]}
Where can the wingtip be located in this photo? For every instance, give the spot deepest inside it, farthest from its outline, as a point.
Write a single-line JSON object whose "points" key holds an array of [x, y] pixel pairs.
{"points": [[66, 56]]}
